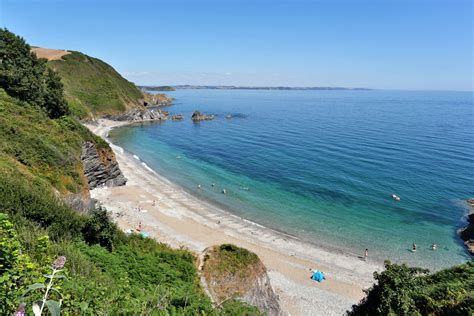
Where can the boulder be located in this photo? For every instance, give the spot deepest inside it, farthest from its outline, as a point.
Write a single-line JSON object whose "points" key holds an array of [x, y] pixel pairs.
{"points": [[198, 116], [100, 167], [232, 272]]}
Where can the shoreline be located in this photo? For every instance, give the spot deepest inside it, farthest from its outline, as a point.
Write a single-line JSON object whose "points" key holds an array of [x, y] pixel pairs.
{"points": [[181, 219]]}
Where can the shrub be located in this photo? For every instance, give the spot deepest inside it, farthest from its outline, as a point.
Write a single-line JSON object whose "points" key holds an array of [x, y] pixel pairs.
{"points": [[98, 229], [404, 290]]}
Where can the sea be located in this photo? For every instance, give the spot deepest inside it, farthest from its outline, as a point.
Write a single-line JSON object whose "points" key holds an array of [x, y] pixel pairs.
{"points": [[322, 165]]}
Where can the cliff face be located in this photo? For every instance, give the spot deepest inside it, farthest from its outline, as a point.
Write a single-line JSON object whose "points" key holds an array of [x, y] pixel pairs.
{"points": [[261, 295], [467, 233], [100, 166], [230, 271]]}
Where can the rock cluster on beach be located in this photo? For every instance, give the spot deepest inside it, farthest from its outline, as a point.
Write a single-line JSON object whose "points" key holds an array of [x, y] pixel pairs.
{"points": [[198, 116], [100, 167], [467, 233], [150, 113]]}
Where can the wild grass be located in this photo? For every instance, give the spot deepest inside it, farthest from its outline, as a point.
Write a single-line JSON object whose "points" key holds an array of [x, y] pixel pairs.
{"points": [[94, 87]]}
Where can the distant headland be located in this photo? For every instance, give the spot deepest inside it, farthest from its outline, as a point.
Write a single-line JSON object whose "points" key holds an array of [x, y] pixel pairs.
{"points": [[181, 87]]}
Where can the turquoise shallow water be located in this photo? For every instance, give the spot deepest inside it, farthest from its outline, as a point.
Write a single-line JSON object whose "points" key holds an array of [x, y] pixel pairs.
{"points": [[322, 165]]}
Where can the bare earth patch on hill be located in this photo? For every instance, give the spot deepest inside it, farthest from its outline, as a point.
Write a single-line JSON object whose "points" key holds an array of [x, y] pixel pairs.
{"points": [[49, 54]]}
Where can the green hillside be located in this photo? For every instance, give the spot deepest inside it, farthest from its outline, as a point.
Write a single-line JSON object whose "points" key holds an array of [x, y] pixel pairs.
{"points": [[41, 147], [94, 87]]}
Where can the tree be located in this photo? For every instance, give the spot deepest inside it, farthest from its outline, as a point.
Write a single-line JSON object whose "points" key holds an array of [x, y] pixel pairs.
{"points": [[25, 77], [54, 102]]}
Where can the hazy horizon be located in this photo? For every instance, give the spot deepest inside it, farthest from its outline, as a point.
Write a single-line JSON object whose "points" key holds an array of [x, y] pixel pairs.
{"points": [[396, 45]]}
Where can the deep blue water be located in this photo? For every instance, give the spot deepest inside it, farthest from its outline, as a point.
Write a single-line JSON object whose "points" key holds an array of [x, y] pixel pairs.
{"points": [[322, 165]]}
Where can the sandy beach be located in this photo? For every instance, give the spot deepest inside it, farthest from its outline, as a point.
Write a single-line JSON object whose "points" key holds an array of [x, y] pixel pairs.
{"points": [[182, 220]]}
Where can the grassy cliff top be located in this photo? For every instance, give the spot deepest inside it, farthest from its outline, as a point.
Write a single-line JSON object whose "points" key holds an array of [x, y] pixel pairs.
{"points": [[92, 87], [230, 270]]}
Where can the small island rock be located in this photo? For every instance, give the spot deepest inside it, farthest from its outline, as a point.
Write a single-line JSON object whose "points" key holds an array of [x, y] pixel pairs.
{"points": [[198, 116]]}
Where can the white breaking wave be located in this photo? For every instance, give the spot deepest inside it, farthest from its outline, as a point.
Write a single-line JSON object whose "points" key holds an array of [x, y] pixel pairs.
{"points": [[117, 148]]}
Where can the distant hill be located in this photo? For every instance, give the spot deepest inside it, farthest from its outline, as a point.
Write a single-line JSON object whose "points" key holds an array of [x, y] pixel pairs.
{"points": [[92, 87], [179, 87], [157, 88]]}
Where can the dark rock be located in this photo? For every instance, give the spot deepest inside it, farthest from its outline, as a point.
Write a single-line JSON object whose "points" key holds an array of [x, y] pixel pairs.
{"points": [[198, 116], [100, 167], [467, 233]]}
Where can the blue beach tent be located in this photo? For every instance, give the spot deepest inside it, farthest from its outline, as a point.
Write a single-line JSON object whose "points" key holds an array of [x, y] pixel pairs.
{"points": [[318, 276]]}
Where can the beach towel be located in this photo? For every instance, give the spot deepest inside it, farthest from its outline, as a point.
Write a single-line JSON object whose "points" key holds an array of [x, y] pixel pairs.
{"points": [[318, 276]]}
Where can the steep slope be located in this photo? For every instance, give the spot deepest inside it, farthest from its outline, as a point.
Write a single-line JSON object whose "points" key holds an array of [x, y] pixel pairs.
{"points": [[93, 88], [50, 151]]}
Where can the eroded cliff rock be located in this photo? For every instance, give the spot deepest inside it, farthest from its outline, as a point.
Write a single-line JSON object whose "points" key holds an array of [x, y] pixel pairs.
{"points": [[100, 166], [230, 271], [467, 233], [150, 113]]}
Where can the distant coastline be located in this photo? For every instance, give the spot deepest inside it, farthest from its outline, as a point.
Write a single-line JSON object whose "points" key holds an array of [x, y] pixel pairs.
{"points": [[198, 87]]}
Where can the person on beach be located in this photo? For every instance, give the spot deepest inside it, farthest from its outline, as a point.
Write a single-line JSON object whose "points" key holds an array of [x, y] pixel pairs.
{"points": [[139, 227], [153, 203], [413, 247], [434, 246], [366, 255]]}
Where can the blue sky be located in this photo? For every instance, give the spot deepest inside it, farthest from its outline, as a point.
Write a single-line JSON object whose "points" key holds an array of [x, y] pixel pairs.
{"points": [[403, 44]]}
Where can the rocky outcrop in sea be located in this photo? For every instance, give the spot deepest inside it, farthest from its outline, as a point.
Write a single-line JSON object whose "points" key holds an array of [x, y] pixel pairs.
{"points": [[100, 167], [198, 116], [467, 233]]}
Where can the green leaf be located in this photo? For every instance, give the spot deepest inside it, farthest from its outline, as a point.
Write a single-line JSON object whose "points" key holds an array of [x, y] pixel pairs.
{"points": [[34, 287], [53, 307], [56, 290], [84, 306]]}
